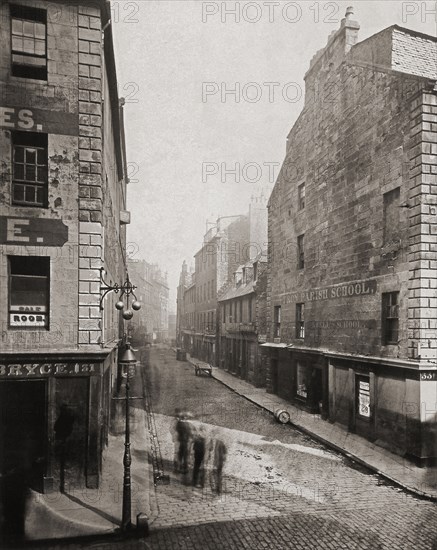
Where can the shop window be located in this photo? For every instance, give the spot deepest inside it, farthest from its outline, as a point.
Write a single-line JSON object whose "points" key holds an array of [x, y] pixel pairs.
{"points": [[300, 252], [390, 318], [363, 396], [302, 380], [301, 196], [29, 285], [29, 42], [29, 175], [300, 321], [277, 322], [391, 215]]}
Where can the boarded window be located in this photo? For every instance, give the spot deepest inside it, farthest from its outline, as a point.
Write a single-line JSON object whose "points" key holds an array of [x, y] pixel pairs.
{"points": [[391, 215]]}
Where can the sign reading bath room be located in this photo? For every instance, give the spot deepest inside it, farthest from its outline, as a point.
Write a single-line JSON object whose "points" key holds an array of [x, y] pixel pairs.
{"points": [[29, 370], [347, 290], [31, 231]]}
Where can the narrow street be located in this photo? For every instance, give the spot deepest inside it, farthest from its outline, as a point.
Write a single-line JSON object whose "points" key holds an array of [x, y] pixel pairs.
{"points": [[281, 489]]}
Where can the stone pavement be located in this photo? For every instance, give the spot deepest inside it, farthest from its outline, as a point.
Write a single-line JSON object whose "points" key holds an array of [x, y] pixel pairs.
{"points": [[422, 481], [81, 511]]}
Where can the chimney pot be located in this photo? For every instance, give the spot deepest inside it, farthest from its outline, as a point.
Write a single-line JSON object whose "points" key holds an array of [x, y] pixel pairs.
{"points": [[349, 12]]}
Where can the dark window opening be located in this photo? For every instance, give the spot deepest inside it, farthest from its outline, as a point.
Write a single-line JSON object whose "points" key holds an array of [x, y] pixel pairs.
{"points": [[29, 42], [391, 216], [300, 252], [300, 321], [277, 322], [29, 286], [301, 196], [390, 318], [30, 169]]}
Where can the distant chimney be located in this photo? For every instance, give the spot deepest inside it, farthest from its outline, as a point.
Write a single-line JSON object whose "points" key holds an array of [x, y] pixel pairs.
{"points": [[351, 29]]}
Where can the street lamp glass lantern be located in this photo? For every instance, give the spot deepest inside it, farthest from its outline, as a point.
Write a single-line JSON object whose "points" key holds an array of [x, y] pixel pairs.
{"points": [[127, 357]]}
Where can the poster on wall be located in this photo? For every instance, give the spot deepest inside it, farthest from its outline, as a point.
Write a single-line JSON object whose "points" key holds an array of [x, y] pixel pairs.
{"points": [[364, 398]]}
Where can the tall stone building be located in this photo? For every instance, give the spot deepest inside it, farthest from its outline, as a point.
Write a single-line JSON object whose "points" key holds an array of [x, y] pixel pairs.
{"points": [[241, 321], [63, 215], [224, 246], [150, 324], [352, 277]]}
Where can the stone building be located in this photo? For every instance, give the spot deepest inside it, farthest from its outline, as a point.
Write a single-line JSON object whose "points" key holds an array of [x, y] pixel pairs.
{"points": [[150, 324], [241, 321], [186, 309], [224, 246], [63, 193], [352, 242]]}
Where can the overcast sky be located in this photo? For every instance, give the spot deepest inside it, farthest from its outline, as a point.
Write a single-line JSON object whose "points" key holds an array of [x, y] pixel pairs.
{"points": [[176, 61]]}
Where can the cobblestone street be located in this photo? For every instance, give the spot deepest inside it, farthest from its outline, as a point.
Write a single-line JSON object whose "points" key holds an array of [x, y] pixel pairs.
{"points": [[281, 489]]}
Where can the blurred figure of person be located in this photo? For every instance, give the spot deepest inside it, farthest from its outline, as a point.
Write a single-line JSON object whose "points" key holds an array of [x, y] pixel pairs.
{"points": [[183, 431], [199, 449], [63, 429], [220, 452]]}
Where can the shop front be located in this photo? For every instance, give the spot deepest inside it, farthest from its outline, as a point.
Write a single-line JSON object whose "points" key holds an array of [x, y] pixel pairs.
{"points": [[55, 416]]}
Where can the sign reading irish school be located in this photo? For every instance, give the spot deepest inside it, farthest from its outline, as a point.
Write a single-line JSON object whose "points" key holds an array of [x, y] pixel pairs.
{"points": [[348, 290], [32, 231]]}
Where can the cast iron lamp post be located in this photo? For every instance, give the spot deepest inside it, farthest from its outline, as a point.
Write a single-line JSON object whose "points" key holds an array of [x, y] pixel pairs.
{"points": [[127, 362]]}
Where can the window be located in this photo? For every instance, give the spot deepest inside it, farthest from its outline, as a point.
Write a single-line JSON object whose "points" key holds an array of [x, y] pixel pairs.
{"points": [[29, 175], [301, 197], [391, 215], [250, 305], [300, 252], [255, 271], [29, 284], [241, 311], [363, 395], [300, 321], [390, 318], [29, 42], [277, 322], [302, 380]]}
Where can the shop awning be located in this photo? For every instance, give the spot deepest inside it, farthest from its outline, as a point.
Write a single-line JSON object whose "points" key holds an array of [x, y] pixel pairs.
{"points": [[273, 345]]}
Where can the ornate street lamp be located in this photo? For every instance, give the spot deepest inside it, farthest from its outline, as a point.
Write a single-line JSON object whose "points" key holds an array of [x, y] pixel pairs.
{"points": [[125, 289], [127, 362]]}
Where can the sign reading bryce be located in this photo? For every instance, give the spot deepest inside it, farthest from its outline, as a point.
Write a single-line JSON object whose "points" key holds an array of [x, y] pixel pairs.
{"points": [[348, 290], [32, 231], [28, 370]]}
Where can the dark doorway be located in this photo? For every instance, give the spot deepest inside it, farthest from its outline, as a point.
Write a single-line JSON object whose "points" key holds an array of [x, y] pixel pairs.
{"points": [[23, 431], [274, 375], [317, 390]]}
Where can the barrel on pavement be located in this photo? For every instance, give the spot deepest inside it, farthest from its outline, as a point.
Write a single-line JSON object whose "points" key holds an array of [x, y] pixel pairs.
{"points": [[282, 416]]}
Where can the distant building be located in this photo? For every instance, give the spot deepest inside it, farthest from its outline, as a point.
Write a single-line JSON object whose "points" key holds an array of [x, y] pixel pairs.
{"points": [[352, 303], [241, 320], [171, 335], [63, 187], [150, 324], [221, 252]]}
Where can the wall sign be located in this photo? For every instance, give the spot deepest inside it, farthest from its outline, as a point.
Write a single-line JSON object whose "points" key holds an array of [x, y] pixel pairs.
{"points": [[31, 231], [349, 290], [39, 120], [29, 370]]}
